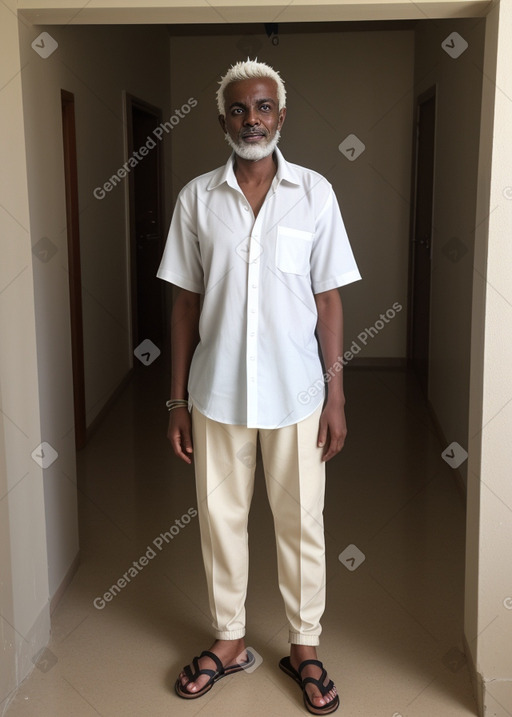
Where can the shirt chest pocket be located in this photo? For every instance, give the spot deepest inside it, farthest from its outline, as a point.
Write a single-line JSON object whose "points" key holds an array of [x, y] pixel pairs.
{"points": [[293, 250]]}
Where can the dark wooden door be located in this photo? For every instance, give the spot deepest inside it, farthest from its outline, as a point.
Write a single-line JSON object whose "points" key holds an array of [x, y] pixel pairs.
{"points": [[146, 223], [74, 273], [421, 244]]}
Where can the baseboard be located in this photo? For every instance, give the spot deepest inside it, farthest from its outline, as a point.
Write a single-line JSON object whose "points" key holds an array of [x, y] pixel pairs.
{"points": [[68, 577], [25, 652]]}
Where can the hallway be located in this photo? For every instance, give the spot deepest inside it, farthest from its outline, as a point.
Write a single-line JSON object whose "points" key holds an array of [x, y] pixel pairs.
{"points": [[392, 631]]}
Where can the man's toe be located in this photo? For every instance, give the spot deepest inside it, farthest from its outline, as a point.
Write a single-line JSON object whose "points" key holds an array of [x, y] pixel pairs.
{"points": [[316, 698], [319, 701]]}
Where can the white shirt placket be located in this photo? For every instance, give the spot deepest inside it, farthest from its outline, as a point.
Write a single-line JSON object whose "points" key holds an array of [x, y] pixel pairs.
{"points": [[253, 292]]}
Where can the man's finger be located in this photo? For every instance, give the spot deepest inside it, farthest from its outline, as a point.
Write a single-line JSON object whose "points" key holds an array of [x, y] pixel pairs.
{"points": [[186, 442], [335, 445], [179, 447], [329, 453], [322, 432]]}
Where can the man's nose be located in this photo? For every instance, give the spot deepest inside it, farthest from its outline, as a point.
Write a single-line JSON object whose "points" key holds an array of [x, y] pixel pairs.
{"points": [[251, 118]]}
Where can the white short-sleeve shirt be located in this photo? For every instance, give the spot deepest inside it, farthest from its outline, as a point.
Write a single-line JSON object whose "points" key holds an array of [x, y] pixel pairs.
{"points": [[257, 352]]}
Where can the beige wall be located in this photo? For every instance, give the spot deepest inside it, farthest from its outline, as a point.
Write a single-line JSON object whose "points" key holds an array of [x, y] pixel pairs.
{"points": [[97, 65], [488, 619], [38, 507], [458, 82], [24, 607], [338, 83]]}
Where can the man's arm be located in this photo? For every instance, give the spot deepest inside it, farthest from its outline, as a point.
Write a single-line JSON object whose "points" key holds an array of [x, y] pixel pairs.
{"points": [[184, 339], [333, 427]]}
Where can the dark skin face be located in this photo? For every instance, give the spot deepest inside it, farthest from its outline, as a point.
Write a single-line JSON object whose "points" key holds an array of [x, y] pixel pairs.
{"points": [[252, 111]]}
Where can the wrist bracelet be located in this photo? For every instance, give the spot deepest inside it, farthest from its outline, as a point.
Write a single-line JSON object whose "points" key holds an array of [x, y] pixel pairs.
{"points": [[176, 403]]}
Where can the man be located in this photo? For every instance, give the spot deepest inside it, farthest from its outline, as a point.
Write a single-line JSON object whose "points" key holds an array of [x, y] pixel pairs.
{"points": [[261, 244]]}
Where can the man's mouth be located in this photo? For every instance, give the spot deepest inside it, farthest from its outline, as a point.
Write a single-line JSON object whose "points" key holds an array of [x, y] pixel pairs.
{"points": [[252, 136]]}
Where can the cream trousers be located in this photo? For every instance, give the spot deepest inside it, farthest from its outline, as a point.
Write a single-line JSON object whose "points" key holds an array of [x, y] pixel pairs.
{"points": [[225, 460]]}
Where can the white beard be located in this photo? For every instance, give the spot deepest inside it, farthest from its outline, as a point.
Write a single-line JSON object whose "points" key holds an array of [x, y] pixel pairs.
{"points": [[253, 152]]}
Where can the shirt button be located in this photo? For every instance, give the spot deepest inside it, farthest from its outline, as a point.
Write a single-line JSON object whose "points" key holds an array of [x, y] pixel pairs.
{"points": [[253, 333], [246, 207], [252, 358], [255, 286]]}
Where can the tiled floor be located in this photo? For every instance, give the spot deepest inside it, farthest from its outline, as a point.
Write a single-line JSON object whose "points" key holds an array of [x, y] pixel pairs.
{"points": [[392, 629]]}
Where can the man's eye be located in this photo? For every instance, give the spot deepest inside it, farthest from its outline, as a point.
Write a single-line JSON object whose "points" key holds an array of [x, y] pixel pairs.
{"points": [[236, 110], [265, 107]]}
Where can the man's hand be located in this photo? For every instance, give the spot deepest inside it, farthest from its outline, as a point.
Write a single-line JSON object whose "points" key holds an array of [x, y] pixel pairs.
{"points": [[180, 433], [184, 339], [333, 427], [332, 430]]}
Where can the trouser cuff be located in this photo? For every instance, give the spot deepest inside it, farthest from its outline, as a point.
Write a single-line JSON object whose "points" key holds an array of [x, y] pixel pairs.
{"points": [[230, 634], [298, 639]]}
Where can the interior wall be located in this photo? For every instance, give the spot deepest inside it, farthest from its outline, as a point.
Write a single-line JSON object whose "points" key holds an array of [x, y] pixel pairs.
{"points": [[459, 96], [338, 83], [24, 607], [96, 64], [488, 614]]}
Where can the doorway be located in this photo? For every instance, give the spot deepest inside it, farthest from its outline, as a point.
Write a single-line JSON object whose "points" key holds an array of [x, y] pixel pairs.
{"points": [[146, 235], [421, 237]]}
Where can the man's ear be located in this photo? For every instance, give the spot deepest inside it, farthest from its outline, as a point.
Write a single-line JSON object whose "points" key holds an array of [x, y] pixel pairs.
{"points": [[222, 122], [282, 115]]}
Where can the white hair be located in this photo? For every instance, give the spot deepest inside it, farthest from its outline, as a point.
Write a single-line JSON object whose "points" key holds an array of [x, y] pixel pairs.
{"points": [[247, 70]]}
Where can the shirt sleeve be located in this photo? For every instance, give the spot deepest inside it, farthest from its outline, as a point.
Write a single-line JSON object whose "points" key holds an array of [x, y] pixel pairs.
{"points": [[181, 261], [332, 260]]}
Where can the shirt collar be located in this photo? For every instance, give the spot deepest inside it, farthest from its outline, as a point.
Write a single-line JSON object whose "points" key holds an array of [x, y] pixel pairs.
{"points": [[226, 174]]}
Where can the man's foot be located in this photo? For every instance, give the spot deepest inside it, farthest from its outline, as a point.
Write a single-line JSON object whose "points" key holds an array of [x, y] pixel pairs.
{"points": [[299, 653], [229, 652]]}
